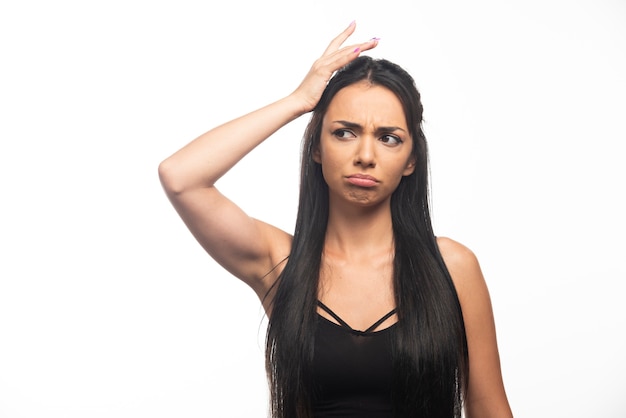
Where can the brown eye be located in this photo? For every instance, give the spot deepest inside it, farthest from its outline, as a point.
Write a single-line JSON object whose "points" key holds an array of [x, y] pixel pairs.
{"points": [[390, 140], [343, 134]]}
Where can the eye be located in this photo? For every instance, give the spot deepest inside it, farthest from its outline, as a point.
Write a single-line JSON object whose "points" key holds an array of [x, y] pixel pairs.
{"points": [[344, 134], [391, 140]]}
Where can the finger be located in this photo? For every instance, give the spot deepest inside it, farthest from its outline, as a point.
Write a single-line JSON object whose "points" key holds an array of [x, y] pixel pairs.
{"points": [[340, 39], [340, 58], [353, 51], [365, 46]]}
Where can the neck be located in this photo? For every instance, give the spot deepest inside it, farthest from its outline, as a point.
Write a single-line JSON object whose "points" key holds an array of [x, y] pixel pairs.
{"points": [[359, 232]]}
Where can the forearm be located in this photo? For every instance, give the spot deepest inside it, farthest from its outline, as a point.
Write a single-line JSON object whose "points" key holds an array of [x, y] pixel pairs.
{"points": [[207, 158]]}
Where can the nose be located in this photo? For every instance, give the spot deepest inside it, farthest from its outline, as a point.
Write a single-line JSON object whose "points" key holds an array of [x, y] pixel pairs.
{"points": [[365, 155]]}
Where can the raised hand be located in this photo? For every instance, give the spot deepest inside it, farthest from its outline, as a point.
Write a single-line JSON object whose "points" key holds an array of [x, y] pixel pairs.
{"points": [[334, 57], [244, 246]]}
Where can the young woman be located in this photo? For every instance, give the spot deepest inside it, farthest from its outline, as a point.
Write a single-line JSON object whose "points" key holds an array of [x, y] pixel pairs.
{"points": [[370, 315]]}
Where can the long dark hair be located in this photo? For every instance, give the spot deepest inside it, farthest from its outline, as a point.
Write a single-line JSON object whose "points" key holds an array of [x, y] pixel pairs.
{"points": [[430, 347]]}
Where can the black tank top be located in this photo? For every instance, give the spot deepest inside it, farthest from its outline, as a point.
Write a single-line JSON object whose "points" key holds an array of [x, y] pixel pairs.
{"points": [[352, 369]]}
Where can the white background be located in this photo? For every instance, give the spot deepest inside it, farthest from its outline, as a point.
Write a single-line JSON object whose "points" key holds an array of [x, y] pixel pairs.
{"points": [[109, 308]]}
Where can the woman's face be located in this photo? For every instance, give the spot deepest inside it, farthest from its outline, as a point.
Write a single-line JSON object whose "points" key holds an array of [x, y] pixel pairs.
{"points": [[365, 146]]}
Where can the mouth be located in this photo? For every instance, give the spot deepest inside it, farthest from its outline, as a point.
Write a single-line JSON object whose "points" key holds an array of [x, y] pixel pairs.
{"points": [[362, 180]]}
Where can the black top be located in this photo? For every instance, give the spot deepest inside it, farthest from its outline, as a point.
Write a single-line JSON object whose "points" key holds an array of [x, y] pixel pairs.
{"points": [[352, 369]]}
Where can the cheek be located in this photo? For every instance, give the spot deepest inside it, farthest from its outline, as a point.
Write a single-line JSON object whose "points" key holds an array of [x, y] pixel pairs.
{"points": [[327, 158], [403, 162], [330, 169], [397, 179]]}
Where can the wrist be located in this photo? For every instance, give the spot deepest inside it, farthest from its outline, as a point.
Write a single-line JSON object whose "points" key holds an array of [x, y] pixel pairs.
{"points": [[296, 105]]}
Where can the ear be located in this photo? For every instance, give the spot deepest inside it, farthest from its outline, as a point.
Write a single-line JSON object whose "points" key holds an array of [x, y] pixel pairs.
{"points": [[410, 167], [317, 155]]}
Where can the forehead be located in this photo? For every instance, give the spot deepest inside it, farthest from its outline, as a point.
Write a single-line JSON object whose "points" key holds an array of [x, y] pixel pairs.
{"points": [[366, 103]]}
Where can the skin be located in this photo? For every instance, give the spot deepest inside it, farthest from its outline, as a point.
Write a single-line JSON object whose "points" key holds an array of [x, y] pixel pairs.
{"points": [[364, 133]]}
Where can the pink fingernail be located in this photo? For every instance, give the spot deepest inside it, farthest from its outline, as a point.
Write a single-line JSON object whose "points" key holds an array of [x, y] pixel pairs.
{"points": [[356, 49], [375, 39]]}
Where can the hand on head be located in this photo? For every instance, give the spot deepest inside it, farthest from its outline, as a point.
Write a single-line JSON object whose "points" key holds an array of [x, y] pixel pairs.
{"points": [[334, 57]]}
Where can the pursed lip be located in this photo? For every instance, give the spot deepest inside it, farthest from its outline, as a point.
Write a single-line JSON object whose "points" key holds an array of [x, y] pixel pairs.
{"points": [[362, 180], [363, 176]]}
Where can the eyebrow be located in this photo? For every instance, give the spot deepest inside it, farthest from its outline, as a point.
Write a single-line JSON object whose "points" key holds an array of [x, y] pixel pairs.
{"points": [[356, 126]]}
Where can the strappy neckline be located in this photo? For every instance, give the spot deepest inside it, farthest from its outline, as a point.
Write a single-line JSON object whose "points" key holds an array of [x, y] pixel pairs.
{"points": [[345, 325]]}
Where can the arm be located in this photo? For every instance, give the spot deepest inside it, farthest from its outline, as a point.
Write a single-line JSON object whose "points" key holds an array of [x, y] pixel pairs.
{"points": [[246, 247], [485, 397]]}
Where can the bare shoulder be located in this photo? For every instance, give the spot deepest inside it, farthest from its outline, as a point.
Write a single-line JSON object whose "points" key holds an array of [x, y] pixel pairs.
{"points": [[462, 264], [454, 252], [485, 396]]}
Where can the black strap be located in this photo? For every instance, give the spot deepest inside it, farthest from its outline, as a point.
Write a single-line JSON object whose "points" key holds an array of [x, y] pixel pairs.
{"points": [[380, 321], [344, 323], [334, 315]]}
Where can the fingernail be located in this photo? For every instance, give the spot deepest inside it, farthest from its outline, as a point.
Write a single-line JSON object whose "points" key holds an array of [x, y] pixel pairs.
{"points": [[356, 50], [375, 39], [352, 23]]}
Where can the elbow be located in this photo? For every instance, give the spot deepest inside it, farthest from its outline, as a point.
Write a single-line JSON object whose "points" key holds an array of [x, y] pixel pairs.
{"points": [[170, 178], [179, 176]]}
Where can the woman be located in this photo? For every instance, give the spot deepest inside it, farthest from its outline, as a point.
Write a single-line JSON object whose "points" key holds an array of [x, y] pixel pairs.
{"points": [[369, 313]]}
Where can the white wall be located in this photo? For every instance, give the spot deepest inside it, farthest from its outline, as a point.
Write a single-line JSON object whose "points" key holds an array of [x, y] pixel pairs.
{"points": [[108, 308]]}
